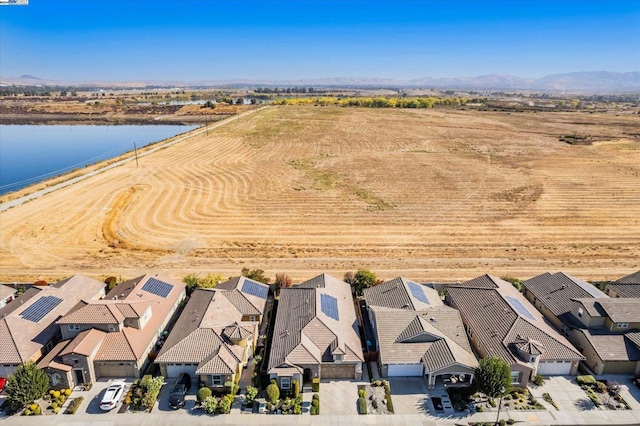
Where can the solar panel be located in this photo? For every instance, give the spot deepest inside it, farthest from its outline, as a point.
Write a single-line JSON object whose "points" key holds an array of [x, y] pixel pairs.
{"points": [[157, 287], [418, 292], [255, 289], [329, 306], [40, 308], [519, 307]]}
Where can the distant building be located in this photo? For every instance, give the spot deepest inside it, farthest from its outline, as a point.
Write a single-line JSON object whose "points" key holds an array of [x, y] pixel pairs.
{"points": [[7, 294], [628, 286]]}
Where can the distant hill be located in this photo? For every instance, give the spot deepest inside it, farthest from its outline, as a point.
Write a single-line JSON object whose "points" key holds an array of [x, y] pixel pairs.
{"points": [[577, 82]]}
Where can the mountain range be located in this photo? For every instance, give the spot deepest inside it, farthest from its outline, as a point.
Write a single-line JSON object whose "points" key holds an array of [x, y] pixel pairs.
{"points": [[576, 82]]}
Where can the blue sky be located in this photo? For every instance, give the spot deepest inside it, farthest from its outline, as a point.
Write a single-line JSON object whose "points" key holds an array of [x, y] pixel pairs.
{"points": [[214, 40]]}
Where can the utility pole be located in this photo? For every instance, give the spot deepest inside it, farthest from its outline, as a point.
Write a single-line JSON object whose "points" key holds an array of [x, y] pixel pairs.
{"points": [[135, 148]]}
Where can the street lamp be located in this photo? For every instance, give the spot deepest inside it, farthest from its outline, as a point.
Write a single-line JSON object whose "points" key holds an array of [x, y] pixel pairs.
{"points": [[502, 391]]}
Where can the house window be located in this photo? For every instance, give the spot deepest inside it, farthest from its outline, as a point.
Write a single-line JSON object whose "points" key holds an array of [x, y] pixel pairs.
{"points": [[74, 327], [216, 380], [623, 325], [535, 299], [580, 312], [285, 382], [111, 327], [515, 377], [253, 318], [469, 332], [338, 358]]}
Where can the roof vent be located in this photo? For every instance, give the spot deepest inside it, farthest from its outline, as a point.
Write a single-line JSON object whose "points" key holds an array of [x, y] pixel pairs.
{"points": [[432, 319]]}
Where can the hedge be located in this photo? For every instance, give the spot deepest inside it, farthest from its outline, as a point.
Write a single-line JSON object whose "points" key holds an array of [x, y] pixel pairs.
{"points": [[362, 405], [74, 405], [315, 385], [586, 380]]}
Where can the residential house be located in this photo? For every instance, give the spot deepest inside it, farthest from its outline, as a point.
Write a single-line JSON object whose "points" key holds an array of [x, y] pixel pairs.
{"points": [[217, 333], [7, 294], [113, 337], [628, 286], [418, 335], [315, 333], [604, 329], [552, 295], [500, 322], [27, 325]]}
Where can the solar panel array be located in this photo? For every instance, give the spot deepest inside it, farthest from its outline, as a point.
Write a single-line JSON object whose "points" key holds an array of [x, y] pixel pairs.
{"points": [[329, 306], [519, 307], [418, 292], [157, 287], [255, 289], [40, 308]]}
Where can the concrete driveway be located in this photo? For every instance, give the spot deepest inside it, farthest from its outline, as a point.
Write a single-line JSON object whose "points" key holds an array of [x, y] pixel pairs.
{"points": [[163, 398], [409, 395], [92, 397], [339, 397]]}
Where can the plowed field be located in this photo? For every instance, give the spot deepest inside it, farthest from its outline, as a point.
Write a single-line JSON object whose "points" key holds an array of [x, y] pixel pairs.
{"points": [[428, 194]]}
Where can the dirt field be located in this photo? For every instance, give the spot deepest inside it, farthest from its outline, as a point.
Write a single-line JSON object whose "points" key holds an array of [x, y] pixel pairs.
{"points": [[438, 195]]}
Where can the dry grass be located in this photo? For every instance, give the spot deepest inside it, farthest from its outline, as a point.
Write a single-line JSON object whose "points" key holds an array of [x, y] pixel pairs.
{"points": [[429, 194]]}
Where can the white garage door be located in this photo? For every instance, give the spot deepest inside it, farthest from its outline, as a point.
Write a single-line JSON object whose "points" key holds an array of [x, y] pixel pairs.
{"points": [[414, 370], [554, 368], [173, 370]]}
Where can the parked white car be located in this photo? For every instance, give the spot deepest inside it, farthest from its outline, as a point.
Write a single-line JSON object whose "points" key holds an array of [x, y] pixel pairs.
{"points": [[112, 395]]}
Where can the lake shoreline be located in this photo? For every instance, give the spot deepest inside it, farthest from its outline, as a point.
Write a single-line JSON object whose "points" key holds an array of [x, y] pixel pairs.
{"points": [[102, 119]]}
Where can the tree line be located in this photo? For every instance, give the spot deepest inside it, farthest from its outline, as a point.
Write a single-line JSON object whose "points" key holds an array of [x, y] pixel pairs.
{"points": [[377, 102]]}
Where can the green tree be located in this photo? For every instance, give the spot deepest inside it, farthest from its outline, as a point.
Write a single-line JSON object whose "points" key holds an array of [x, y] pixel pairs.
{"points": [[225, 404], [191, 281], [27, 384], [255, 275], [210, 281], [492, 376], [283, 281], [363, 279], [273, 392]]}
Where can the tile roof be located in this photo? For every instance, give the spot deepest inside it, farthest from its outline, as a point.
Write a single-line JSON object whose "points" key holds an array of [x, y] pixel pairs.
{"points": [[436, 337], [614, 347], [130, 344], [85, 343], [52, 359], [555, 291], [237, 283], [95, 313], [630, 279], [497, 324], [6, 291], [211, 319], [397, 294], [625, 290], [621, 309], [303, 332], [23, 339]]}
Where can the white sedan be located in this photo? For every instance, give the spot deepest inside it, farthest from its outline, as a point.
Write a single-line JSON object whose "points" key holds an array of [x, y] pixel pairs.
{"points": [[112, 395]]}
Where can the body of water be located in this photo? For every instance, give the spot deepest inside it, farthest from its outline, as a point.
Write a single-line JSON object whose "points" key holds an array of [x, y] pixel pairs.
{"points": [[29, 154]]}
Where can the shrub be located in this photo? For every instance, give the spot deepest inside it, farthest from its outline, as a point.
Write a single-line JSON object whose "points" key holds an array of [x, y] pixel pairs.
{"points": [[145, 380], [54, 405], [297, 409], [315, 410], [74, 405], [251, 393], [492, 402], [594, 398], [38, 410], [362, 393], [273, 392], [209, 404], [27, 412], [56, 410], [538, 380], [152, 389], [502, 422], [296, 387], [315, 384], [127, 400], [315, 403], [33, 407], [362, 405], [511, 422], [203, 393], [225, 404], [586, 380], [613, 388], [601, 387], [378, 383]]}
